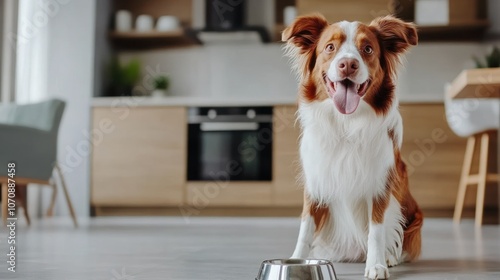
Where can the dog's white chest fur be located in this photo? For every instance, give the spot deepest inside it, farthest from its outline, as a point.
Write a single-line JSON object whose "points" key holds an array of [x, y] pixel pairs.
{"points": [[346, 160], [345, 157]]}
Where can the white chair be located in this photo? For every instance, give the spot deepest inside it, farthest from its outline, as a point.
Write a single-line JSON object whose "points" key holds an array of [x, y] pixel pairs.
{"points": [[475, 119]]}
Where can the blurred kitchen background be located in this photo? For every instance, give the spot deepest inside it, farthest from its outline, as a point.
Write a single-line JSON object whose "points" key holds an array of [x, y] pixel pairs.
{"points": [[187, 108]]}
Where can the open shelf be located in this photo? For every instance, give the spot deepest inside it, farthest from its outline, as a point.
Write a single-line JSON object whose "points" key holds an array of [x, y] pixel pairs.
{"points": [[179, 33], [152, 40], [455, 31], [133, 40]]}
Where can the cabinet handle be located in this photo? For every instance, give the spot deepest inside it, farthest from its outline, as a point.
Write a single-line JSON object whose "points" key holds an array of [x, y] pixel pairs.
{"points": [[229, 126]]}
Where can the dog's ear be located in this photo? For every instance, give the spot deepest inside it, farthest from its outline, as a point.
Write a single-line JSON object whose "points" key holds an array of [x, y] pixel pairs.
{"points": [[395, 35], [305, 31]]}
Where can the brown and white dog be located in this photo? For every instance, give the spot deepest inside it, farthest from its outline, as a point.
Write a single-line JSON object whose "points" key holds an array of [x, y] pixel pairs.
{"points": [[358, 206]]}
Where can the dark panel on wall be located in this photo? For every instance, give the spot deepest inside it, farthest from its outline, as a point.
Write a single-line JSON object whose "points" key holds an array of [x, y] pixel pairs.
{"points": [[103, 49]]}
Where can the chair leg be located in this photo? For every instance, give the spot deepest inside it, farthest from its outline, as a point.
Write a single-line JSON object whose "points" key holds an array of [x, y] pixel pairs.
{"points": [[5, 194], [483, 171], [462, 187], [50, 211], [66, 194], [21, 195]]}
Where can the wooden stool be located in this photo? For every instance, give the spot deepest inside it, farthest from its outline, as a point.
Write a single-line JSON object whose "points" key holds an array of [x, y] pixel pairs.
{"points": [[471, 179]]}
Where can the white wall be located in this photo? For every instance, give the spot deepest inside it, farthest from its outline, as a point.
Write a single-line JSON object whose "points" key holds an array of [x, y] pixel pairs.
{"points": [[262, 69], [429, 66], [227, 71], [8, 62], [2, 4], [70, 77]]}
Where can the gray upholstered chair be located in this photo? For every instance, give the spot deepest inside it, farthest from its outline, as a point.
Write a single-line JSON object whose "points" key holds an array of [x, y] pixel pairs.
{"points": [[28, 137]]}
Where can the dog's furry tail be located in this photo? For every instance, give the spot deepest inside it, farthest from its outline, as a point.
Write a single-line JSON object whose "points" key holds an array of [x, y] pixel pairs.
{"points": [[412, 244]]}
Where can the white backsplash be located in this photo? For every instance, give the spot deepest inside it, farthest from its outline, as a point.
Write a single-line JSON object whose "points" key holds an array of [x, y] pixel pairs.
{"points": [[229, 71], [261, 70], [429, 66]]}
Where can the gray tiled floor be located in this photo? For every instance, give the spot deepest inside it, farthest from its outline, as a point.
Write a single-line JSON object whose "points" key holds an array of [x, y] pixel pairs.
{"points": [[221, 248]]}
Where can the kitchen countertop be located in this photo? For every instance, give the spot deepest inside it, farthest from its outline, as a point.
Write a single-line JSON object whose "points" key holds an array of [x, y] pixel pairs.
{"points": [[198, 101], [192, 101]]}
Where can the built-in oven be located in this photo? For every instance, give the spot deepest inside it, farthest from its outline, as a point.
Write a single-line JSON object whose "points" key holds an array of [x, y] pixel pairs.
{"points": [[230, 143]]}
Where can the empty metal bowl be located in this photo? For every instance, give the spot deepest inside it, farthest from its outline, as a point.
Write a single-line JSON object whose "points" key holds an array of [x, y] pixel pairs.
{"points": [[296, 269]]}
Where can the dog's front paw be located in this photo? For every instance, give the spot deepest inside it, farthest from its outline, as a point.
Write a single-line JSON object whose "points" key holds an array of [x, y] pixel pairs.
{"points": [[376, 272]]}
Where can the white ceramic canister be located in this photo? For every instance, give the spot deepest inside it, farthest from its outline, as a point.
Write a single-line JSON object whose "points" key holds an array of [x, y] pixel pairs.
{"points": [[144, 23], [123, 21]]}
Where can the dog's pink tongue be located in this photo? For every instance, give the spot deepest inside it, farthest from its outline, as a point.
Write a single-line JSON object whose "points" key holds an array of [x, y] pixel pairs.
{"points": [[346, 97]]}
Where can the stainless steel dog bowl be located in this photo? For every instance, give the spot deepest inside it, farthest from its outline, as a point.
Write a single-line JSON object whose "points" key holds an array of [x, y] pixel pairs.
{"points": [[296, 269]]}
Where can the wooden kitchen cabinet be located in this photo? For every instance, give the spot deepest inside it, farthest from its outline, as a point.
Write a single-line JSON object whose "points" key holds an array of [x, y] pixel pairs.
{"points": [[288, 189], [139, 159], [139, 156], [434, 157], [432, 152]]}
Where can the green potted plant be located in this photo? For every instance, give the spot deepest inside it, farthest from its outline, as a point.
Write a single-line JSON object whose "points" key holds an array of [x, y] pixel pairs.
{"points": [[161, 85], [123, 77], [491, 60]]}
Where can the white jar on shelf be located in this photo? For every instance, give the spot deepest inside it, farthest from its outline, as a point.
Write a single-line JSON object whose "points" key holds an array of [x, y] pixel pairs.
{"points": [[432, 12], [144, 23], [167, 23], [123, 21]]}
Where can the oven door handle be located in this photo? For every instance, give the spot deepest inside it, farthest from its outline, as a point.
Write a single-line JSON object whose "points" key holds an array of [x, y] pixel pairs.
{"points": [[229, 126]]}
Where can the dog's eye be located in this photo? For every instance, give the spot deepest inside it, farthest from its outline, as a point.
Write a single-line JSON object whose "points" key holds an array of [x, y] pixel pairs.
{"points": [[330, 48], [368, 49]]}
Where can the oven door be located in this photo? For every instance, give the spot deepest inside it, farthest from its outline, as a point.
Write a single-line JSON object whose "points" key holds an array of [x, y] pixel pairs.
{"points": [[239, 151]]}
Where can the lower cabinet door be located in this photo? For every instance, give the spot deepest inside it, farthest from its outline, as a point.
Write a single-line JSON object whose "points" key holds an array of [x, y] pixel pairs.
{"points": [[139, 156]]}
